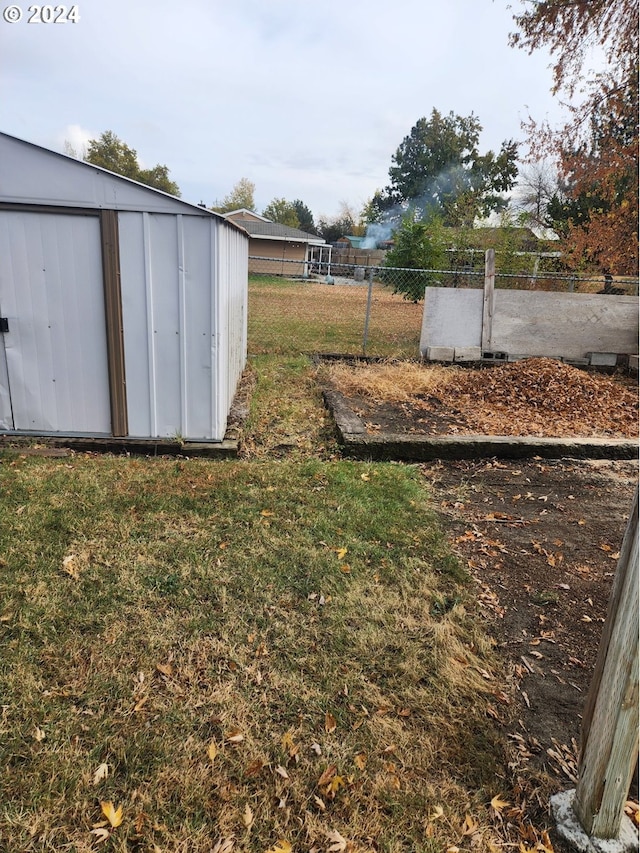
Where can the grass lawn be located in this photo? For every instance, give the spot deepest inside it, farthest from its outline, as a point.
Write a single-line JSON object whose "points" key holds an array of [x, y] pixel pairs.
{"points": [[290, 317], [241, 655]]}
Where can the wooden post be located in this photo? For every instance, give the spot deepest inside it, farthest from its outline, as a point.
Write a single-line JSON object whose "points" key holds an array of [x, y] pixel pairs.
{"points": [[610, 722], [487, 304]]}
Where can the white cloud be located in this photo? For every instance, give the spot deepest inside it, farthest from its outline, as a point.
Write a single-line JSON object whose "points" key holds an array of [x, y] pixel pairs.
{"points": [[75, 136]]}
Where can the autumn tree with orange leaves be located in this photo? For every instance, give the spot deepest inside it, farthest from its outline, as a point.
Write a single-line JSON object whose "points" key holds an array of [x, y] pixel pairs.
{"points": [[597, 150]]}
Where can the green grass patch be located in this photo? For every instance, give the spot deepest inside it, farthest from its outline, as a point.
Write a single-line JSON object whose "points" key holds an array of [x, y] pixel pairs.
{"points": [[256, 650]]}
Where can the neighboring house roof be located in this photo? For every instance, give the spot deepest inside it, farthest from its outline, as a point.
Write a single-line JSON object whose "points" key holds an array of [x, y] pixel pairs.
{"points": [[266, 230], [356, 242], [245, 213]]}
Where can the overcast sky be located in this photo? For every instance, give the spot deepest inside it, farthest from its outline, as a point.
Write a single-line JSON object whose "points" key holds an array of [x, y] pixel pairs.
{"points": [[308, 100]]}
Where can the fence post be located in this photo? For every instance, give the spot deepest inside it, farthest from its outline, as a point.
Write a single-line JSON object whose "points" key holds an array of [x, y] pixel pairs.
{"points": [[487, 304], [610, 722], [368, 313]]}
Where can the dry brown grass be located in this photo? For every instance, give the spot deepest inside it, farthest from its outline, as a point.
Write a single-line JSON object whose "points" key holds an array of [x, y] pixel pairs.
{"points": [[289, 317], [393, 382]]}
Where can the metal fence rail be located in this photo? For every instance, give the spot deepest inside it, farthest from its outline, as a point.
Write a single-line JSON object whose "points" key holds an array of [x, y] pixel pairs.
{"points": [[297, 305]]}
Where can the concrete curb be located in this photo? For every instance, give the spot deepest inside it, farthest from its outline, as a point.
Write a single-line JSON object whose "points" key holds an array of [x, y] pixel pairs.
{"points": [[352, 434]]}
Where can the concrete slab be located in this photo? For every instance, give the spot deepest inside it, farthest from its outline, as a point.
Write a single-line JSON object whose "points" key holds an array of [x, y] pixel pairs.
{"points": [[570, 829]]}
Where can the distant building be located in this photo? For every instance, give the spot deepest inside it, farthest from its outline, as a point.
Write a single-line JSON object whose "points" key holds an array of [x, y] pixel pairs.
{"points": [[285, 250]]}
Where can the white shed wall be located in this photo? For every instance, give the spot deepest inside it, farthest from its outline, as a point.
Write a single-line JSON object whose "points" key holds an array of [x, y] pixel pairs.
{"points": [[55, 366], [184, 312], [232, 312]]}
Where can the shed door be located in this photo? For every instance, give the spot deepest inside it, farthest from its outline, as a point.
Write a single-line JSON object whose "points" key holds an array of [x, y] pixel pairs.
{"points": [[55, 349]]}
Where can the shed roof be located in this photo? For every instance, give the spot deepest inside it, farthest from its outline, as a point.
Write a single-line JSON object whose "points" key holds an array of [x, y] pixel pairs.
{"points": [[31, 174]]}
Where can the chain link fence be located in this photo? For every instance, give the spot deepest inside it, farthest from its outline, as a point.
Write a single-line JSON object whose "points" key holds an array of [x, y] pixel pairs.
{"points": [[320, 306]]}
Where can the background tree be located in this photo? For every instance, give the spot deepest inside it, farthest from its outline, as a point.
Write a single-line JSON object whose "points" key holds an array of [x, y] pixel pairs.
{"points": [[241, 196], [597, 150], [539, 194], [110, 152], [335, 228], [438, 169], [347, 222], [305, 217], [282, 211], [419, 244]]}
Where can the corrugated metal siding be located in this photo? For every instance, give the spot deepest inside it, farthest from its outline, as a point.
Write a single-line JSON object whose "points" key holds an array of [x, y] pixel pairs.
{"points": [[232, 276], [6, 412], [51, 291], [177, 341]]}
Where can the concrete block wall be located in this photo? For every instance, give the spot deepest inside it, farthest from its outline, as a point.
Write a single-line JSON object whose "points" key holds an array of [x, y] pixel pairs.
{"points": [[530, 323]]}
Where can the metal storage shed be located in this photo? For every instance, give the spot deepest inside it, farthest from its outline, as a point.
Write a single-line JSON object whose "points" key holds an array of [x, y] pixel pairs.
{"points": [[123, 310]]}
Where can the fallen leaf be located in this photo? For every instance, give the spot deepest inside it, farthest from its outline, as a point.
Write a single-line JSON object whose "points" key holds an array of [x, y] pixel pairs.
{"points": [[632, 810], [338, 842], [289, 744], [316, 748], [281, 771], [281, 846], [438, 813], [101, 834], [165, 669], [497, 804], [224, 845], [266, 513], [320, 803], [212, 750], [328, 775], [247, 817], [234, 736], [330, 723], [360, 760], [113, 815], [101, 773], [254, 768], [469, 827], [336, 783], [71, 566], [341, 552], [39, 734]]}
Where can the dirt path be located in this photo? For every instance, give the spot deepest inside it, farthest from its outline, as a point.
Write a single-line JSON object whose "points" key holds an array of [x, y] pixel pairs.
{"points": [[541, 538]]}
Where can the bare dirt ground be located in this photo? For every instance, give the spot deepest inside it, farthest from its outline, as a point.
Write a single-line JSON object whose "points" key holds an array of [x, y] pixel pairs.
{"points": [[541, 539]]}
